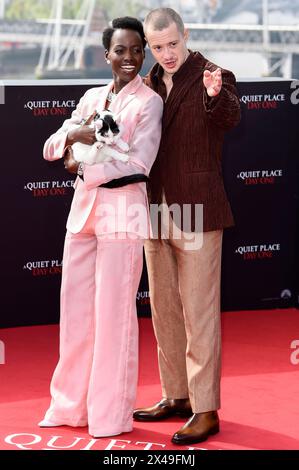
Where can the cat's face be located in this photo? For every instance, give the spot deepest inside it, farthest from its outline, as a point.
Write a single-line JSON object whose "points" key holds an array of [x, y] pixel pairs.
{"points": [[108, 136], [106, 129]]}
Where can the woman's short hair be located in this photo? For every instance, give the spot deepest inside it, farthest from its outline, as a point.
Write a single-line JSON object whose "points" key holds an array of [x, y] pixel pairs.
{"points": [[126, 22]]}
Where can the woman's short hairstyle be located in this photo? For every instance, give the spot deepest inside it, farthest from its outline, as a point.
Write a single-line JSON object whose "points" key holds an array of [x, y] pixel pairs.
{"points": [[126, 22]]}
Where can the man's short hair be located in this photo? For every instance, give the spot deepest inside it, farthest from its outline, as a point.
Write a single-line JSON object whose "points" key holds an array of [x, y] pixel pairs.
{"points": [[161, 18]]}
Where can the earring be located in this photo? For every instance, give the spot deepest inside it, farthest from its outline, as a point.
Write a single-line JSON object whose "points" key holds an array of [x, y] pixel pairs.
{"points": [[108, 61]]}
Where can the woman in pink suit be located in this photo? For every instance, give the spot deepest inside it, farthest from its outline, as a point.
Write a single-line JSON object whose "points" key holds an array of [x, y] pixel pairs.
{"points": [[95, 380]]}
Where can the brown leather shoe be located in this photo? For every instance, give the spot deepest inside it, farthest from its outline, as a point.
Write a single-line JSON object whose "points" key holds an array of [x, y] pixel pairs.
{"points": [[199, 427], [164, 409]]}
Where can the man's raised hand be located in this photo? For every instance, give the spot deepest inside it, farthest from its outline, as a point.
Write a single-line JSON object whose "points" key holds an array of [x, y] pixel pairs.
{"points": [[213, 82]]}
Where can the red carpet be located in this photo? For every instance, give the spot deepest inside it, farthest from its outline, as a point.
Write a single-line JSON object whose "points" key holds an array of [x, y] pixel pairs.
{"points": [[260, 407]]}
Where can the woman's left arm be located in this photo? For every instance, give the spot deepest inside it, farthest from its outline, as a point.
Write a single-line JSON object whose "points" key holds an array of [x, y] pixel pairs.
{"points": [[144, 147]]}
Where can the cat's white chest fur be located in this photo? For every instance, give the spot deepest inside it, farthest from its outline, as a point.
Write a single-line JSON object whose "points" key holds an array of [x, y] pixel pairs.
{"points": [[108, 134]]}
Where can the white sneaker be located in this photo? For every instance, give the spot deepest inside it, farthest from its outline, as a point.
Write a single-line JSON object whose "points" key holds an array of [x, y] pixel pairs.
{"points": [[45, 423]]}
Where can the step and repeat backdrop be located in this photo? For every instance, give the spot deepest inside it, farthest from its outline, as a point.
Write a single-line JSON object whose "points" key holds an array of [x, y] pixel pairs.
{"points": [[260, 165]]}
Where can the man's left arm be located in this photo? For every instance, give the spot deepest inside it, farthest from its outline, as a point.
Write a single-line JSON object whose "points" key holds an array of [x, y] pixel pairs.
{"points": [[221, 101]]}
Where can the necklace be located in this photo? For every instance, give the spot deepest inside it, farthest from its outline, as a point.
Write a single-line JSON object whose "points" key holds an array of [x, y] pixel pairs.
{"points": [[111, 96]]}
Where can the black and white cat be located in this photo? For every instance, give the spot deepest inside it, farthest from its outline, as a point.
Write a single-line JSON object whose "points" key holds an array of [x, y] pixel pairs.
{"points": [[108, 133]]}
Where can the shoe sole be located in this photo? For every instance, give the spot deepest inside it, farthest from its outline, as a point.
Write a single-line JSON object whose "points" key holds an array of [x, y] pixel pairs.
{"points": [[49, 425], [181, 414], [204, 437]]}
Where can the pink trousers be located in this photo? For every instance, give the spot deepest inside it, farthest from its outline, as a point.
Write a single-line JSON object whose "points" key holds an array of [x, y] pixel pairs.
{"points": [[95, 381]]}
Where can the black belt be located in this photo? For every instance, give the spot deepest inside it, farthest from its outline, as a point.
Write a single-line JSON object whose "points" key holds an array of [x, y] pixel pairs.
{"points": [[125, 180]]}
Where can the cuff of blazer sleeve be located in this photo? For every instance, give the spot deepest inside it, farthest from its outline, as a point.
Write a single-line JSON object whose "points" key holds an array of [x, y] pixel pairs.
{"points": [[62, 145], [94, 178], [103, 173], [210, 102]]}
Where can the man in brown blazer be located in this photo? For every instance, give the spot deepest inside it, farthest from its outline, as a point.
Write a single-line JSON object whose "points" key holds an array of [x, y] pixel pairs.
{"points": [[200, 104]]}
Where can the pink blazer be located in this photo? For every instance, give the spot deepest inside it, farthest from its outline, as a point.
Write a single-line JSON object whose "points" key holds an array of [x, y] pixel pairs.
{"points": [[139, 109]]}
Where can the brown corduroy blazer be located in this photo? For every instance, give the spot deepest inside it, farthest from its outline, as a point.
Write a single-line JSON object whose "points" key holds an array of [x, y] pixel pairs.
{"points": [[188, 165]]}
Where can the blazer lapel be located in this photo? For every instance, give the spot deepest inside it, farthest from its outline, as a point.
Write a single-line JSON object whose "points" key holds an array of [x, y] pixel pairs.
{"points": [[126, 95], [100, 104], [190, 72]]}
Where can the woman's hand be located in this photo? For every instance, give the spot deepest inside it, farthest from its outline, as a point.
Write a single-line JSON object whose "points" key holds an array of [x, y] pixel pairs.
{"points": [[70, 164], [83, 134]]}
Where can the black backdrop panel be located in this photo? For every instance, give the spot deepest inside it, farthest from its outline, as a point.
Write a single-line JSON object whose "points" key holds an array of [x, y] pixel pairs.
{"points": [[35, 199], [260, 158], [259, 162]]}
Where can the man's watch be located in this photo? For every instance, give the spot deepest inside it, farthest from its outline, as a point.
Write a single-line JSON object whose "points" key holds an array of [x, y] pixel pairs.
{"points": [[80, 170]]}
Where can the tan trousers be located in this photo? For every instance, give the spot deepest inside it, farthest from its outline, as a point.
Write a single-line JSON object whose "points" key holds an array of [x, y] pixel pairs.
{"points": [[185, 301]]}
